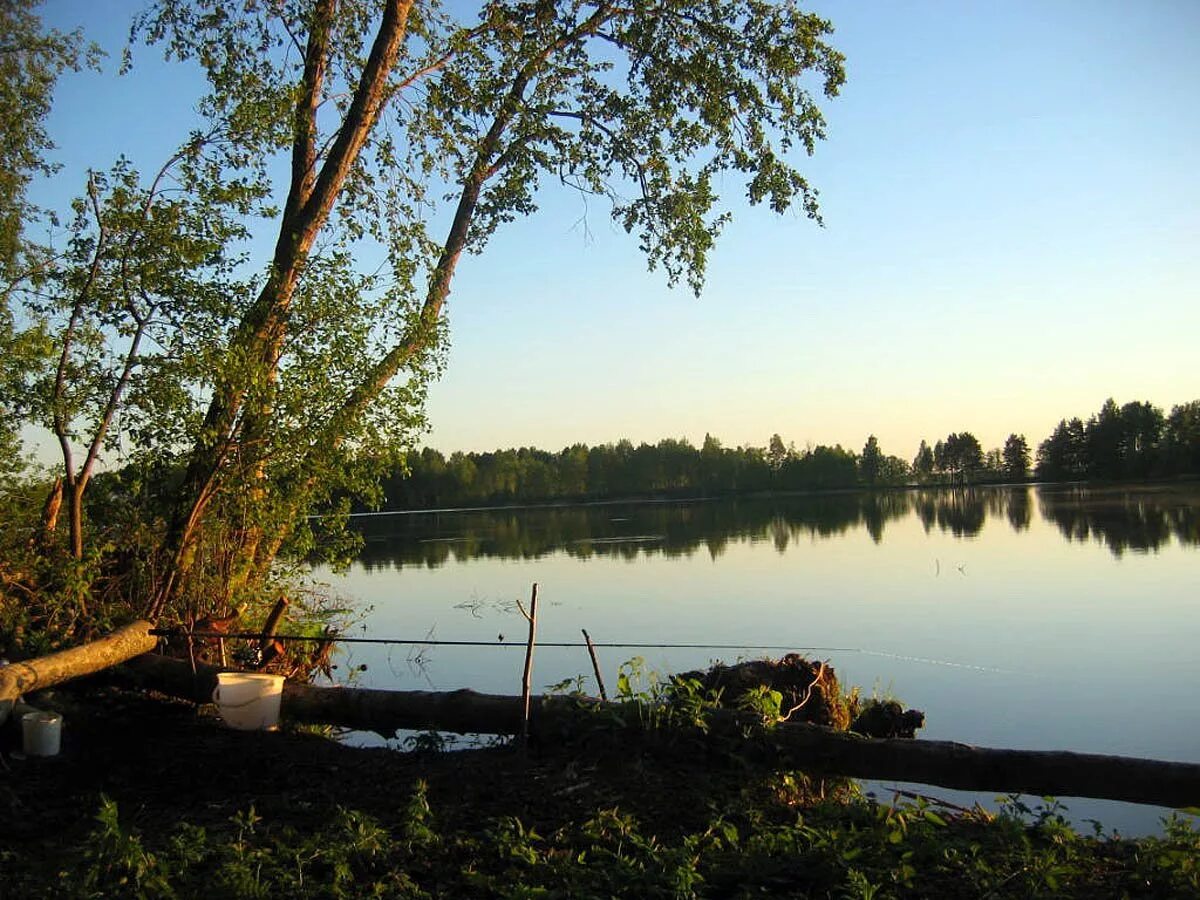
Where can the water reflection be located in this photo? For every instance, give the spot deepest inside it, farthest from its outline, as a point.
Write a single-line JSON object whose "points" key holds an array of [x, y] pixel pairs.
{"points": [[960, 512], [1137, 518]]}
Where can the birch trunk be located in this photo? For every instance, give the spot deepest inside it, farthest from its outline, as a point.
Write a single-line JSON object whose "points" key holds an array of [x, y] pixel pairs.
{"points": [[46, 671]]}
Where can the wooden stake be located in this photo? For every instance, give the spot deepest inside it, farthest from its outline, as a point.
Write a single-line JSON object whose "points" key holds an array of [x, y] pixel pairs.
{"points": [[527, 677], [50, 513], [595, 663], [268, 647], [272, 624]]}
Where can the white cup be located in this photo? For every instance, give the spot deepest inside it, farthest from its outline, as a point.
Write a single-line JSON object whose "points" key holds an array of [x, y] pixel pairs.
{"points": [[41, 733]]}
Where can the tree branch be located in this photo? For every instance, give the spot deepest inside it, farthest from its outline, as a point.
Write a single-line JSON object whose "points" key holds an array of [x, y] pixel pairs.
{"points": [[438, 63], [304, 157], [114, 400], [483, 167], [618, 145], [60, 419], [360, 117]]}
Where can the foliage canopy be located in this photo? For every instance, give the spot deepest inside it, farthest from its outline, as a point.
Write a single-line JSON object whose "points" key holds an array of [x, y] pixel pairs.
{"points": [[372, 145]]}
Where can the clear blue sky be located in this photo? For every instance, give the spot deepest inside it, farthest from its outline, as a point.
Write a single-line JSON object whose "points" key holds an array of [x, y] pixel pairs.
{"points": [[1011, 195]]}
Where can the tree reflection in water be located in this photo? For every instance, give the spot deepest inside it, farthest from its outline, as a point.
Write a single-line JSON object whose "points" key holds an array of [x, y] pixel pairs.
{"points": [[1139, 518]]}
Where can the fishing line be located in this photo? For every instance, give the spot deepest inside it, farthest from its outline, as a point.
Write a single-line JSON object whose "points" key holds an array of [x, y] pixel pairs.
{"points": [[936, 662], [430, 642], [258, 636]]}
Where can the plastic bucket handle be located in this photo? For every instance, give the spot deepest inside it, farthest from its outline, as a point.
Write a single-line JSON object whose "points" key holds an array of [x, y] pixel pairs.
{"points": [[216, 696]]}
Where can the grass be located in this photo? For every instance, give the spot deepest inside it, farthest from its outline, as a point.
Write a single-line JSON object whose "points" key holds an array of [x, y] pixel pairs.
{"points": [[754, 846], [639, 808]]}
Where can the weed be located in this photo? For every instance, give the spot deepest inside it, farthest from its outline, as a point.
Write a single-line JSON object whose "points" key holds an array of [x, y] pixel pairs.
{"points": [[426, 742], [853, 848], [117, 863]]}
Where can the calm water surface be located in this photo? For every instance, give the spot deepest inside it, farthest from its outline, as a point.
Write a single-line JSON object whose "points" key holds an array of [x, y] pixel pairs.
{"points": [[1036, 618]]}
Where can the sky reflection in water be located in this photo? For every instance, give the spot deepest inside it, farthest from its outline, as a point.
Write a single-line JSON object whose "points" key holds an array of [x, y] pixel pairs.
{"points": [[1056, 618]]}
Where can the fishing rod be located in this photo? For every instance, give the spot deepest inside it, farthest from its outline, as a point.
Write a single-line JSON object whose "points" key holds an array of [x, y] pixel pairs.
{"points": [[259, 636], [434, 642]]}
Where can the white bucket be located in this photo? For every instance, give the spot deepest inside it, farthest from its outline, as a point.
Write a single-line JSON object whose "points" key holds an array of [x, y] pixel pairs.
{"points": [[248, 701], [41, 733]]}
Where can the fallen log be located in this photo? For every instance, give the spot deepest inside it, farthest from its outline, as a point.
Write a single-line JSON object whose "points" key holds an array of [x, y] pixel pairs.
{"points": [[463, 712], [1057, 773], [802, 746], [46, 671]]}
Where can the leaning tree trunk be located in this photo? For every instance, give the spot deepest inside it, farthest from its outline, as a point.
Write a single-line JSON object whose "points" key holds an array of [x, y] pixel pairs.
{"points": [[312, 194]]}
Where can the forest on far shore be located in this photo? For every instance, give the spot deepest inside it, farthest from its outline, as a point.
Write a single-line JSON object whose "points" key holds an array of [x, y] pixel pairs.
{"points": [[1133, 441]]}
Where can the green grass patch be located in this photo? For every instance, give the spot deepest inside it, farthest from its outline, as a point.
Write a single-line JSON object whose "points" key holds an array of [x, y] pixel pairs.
{"points": [[757, 845]]}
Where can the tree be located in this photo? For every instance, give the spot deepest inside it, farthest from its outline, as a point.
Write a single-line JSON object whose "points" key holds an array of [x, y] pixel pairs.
{"points": [[715, 474], [1062, 455], [970, 453], [1054, 453], [870, 461], [678, 464], [1181, 439], [777, 453], [1016, 458], [825, 467], [923, 463], [958, 456], [318, 374], [1077, 459], [464, 472], [894, 470], [1131, 441], [1102, 442], [573, 477], [31, 60], [1123, 442], [132, 308], [602, 97], [1142, 427]]}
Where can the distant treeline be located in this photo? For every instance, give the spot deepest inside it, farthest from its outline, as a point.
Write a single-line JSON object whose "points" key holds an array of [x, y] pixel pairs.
{"points": [[1120, 442], [1132, 441]]}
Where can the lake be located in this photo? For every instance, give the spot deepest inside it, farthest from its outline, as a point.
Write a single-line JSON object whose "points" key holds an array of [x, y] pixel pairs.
{"points": [[1055, 617]]}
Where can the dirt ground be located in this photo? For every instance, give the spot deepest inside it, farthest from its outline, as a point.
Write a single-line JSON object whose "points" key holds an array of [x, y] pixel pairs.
{"points": [[165, 762]]}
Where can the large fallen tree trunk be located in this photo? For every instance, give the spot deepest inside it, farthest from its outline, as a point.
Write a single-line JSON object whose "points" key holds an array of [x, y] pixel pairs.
{"points": [[46, 671], [1058, 773], [463, 712], [797, 746]]}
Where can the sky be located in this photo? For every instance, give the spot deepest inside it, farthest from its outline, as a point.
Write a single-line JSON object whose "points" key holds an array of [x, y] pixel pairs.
{"points": [[1011, 204]]}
